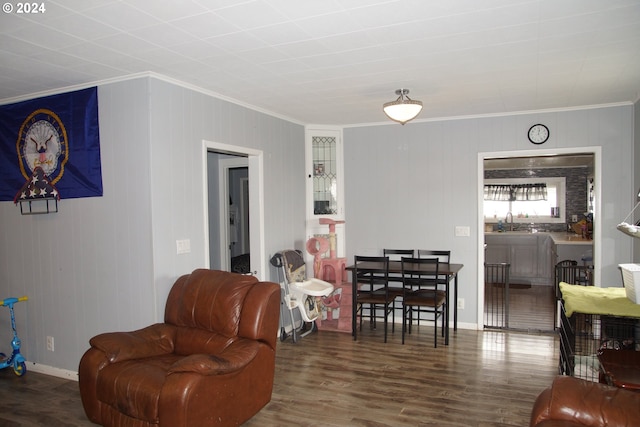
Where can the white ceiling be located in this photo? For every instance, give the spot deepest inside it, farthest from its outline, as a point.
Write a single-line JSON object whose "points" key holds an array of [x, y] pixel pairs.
{"points": [[337, 61]]}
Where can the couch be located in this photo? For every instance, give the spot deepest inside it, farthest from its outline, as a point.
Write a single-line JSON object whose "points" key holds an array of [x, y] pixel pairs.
{"points": [[571, 401], [211, 363]]}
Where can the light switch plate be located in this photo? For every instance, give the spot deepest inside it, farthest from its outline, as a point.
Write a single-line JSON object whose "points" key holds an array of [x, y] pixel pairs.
{"points": [[462, 231], [183, 246]]}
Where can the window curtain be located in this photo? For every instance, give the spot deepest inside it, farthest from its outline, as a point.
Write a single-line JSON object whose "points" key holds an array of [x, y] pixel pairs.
{"points": [[515, 192], [497, 192]]}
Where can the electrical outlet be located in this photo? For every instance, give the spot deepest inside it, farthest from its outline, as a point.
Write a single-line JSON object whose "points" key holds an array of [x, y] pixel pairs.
{"points": [[460, 303], [50, 343]]}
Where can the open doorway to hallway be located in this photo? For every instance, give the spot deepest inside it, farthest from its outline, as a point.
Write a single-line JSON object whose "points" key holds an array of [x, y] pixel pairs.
{"points": [[236, 191], [229, 247], [234, 208]]}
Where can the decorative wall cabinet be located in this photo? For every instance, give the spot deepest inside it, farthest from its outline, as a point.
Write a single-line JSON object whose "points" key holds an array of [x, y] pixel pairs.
{"points": [[325, 182]]}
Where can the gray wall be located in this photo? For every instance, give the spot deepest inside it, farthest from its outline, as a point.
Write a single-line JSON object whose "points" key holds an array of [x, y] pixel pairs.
{"points": [[107, 263], [409, 186], [180, 120], [636, 173]]}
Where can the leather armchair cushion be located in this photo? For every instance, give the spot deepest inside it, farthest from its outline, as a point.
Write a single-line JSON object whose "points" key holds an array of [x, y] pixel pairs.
{"points": [[234, 358], [192, 340]]}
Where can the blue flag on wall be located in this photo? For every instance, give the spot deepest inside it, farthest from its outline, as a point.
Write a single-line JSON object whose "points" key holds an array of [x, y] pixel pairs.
{"points": [[50, 147]]}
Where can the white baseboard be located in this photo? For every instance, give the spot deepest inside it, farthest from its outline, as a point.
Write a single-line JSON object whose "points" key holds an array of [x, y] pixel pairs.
{"points": [[465, 325], [50, 370]]}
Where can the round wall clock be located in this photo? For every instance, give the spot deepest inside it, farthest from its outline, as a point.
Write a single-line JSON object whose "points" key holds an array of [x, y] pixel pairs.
{"points": [[538, 134]]}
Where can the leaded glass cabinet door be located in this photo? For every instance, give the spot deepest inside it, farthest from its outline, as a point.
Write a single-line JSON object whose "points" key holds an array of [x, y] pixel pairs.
{"points": [[325, 175], [325, 180]]}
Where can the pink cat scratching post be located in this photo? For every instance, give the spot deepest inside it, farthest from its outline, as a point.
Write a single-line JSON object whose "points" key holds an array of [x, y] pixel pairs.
{"points": [[317, 246], [332, 234], [332, 269]]}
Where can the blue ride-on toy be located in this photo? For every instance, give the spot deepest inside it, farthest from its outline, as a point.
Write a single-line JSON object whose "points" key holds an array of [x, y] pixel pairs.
{"points": [[16, 360]]}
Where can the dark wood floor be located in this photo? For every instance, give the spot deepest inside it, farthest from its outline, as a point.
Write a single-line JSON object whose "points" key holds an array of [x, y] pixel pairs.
{"points": [[483, 378]]}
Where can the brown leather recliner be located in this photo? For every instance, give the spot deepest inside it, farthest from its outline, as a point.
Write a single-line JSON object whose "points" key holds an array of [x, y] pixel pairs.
{"points": [[211, 363], [573, 402]]}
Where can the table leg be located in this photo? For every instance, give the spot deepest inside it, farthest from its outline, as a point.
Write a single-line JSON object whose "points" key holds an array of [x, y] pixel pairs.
{"points": [[354, 294], [446, 314], [455, 303]]}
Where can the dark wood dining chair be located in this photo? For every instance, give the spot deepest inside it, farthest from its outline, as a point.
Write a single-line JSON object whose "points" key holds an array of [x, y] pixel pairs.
{"points": [[444, 257], [397, 289], [372, 292], [422, 293]]}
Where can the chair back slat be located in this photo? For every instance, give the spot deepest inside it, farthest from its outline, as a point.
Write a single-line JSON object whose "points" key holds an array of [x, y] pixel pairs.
{"points": [[372, 270], [396, 254], [442, 255], [419, 273]]}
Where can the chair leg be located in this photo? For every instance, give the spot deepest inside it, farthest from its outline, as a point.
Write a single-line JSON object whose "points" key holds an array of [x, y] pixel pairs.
{"points": [[386, 317], [354, 327], [435, 328], [393, 316], [404, 321], [372, 317]]}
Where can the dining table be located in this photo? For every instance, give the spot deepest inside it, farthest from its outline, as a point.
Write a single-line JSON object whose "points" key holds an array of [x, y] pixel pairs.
{"points": [[450, 270]]}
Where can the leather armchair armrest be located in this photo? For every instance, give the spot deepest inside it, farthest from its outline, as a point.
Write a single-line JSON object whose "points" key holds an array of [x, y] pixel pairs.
{"points": [[151, 341], [234, 358]]}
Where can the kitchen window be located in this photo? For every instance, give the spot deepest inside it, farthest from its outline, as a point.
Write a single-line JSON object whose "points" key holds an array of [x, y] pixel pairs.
{"points": [[551, 210]]}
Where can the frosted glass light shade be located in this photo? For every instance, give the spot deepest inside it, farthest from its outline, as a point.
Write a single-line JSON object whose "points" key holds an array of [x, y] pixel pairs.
{"points": [[402, 109]]}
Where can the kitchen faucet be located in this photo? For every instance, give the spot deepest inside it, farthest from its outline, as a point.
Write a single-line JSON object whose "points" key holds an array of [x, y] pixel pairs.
{"points": [[509, 215]]}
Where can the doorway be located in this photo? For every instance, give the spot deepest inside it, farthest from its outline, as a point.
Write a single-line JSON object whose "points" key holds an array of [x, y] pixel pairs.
{"points": [[233, 202], [222, 164], [532, 304]]}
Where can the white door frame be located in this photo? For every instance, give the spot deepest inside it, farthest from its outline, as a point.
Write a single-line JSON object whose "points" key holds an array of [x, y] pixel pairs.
{"points": [[223, 193], [256, 201], [597, 238], [244, 212]]}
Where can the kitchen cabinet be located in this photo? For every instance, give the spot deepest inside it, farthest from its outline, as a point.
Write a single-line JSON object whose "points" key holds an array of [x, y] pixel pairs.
{"points": [[529, 254], [567, 246]]}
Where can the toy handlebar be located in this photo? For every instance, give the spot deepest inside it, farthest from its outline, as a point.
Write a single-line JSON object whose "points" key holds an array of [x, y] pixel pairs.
{"points": [[8, 301]]}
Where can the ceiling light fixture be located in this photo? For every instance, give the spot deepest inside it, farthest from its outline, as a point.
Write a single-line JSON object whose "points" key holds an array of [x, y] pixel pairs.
{"points": [[402, 109]]}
